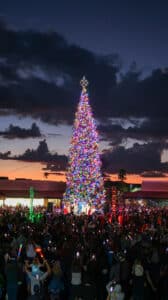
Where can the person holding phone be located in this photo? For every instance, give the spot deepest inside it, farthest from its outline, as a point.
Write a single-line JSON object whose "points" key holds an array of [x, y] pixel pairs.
{"points": [[37, 279]]}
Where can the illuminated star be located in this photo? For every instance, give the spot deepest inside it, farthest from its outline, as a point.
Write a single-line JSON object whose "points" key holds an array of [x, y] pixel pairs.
{"points": [[84, 83]]}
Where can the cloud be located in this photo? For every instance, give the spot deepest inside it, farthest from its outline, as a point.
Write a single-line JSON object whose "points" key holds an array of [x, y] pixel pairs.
{"points": [[153, 174], [54, 161], [39, 77], [114, 133], [40, 71], [14, 132], [139, 98], [150, 129], [5, 155], [140, 159], [147, 130], [137, 159], [42, 154]]}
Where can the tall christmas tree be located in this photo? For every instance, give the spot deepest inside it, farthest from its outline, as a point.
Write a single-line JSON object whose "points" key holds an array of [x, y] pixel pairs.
{"points": [[84, 180]]}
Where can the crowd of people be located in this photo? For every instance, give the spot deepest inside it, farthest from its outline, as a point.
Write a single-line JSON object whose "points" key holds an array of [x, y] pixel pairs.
{"points": [[118, 256]]}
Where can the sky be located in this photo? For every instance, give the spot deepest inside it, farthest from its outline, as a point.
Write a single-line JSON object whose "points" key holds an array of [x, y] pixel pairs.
{"points": [[46, 47]]}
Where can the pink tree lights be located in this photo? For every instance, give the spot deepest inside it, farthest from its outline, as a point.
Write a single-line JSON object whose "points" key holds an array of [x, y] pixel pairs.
{"points": [[85, 184]]}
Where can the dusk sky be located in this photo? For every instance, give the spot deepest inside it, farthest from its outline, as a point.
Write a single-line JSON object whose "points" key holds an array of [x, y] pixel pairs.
{"points": [[45, 49]]}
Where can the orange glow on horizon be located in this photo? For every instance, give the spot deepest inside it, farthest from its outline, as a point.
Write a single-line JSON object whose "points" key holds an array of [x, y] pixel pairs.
{"points": [[34, 170], [28, 170], [130, 178]]}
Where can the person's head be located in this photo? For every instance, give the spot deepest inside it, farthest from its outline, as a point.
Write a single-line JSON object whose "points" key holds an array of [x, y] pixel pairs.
{"points": [[36, 261], [138, 268], [56, 269]]}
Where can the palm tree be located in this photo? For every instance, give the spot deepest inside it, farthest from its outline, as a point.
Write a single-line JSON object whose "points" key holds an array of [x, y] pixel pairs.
{"points": [[122, 175]]}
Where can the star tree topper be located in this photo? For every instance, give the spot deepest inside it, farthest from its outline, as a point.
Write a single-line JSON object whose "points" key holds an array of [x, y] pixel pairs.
{"points": [[84, 83]]}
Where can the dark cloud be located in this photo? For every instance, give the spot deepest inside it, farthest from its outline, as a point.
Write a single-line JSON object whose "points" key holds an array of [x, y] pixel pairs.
{"points": [[114, 133], [21, 133], [151, 129], [153, 174], [43, 72], [54, 163], [39, 77], [42, 154], [40, 73], [136, 97], [5, 155], [137, 159], [140, 159], [146, 130]]}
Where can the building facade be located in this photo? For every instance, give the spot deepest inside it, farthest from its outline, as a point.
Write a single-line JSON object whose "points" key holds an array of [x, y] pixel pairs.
{"points": [[17, 192], [153, 192]]}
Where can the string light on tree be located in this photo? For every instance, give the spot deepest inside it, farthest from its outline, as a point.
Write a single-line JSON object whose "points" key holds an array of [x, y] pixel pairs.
{"points": [[84, 180]]}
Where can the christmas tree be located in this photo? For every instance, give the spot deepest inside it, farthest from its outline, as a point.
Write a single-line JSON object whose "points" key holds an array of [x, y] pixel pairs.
{"points": [[84, 182]]}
